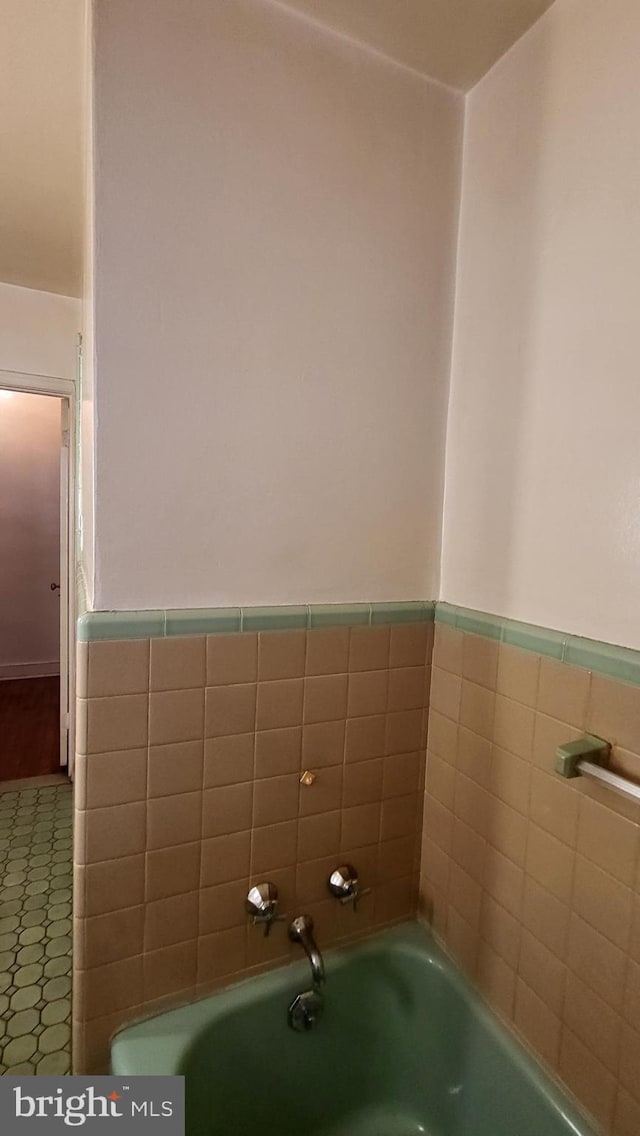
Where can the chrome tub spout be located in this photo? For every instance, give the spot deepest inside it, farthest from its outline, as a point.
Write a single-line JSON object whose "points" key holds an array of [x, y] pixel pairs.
{"points": [[301, 931]]}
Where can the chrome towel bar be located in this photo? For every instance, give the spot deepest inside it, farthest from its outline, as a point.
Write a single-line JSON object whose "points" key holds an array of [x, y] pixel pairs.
{"points": [[589, 757]]}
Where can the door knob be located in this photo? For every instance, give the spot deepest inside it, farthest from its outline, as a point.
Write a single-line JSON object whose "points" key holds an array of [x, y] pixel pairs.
{"points": [[55, 587]]}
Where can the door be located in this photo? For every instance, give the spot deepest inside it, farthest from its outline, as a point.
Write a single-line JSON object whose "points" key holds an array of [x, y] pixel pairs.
{"points": [[66, 528]]}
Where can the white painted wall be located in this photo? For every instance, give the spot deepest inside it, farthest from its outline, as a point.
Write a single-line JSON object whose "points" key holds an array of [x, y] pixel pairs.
{"points": [[542, 506], [29, 534], [41, 182], [38, 332], [276, 213], [87, 415]]}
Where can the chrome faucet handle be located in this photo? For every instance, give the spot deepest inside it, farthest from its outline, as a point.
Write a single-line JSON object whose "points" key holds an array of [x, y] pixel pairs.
{"points": [[262, 906], [344, 884], [306, 1010]]}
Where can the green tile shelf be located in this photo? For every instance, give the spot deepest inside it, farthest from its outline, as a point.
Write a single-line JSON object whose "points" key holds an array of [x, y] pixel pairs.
{"points": [[96, 625], [621, 663]]}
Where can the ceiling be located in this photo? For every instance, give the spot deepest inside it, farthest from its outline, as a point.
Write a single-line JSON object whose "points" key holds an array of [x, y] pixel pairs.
{"points": [[454, 41], [41, 60]]}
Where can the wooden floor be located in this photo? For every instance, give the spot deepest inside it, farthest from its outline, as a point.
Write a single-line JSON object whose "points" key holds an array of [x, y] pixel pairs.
{"points": [[29, 727]]}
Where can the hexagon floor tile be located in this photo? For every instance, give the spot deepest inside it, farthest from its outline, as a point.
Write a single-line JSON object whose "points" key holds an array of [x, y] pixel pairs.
{"points": [[35, 866]]}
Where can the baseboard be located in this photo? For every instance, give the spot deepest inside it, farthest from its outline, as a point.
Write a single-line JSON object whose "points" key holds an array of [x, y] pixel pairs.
{"points": [[29, 670]]}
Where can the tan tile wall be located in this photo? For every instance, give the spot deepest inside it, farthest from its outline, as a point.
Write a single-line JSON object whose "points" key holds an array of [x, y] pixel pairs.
{"points": [[187, 790], [533, 882]]}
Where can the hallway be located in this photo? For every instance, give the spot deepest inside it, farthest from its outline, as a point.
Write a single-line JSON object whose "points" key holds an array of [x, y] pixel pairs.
{"points": [[29, 727]]}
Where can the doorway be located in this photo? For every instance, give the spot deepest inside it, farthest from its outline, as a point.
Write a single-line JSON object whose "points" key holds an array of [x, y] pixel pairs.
{"points": [[36, 617], [30, 585], [35, 526]]}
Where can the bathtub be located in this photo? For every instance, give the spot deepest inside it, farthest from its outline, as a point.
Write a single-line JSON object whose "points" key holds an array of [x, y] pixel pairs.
{"points": [[404, 1047]]}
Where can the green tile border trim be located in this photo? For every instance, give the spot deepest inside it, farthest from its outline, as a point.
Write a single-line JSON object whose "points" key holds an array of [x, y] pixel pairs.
{"points": [[95, 625], [621, 663], [198, 621], [101, 625], [274, 618]]}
